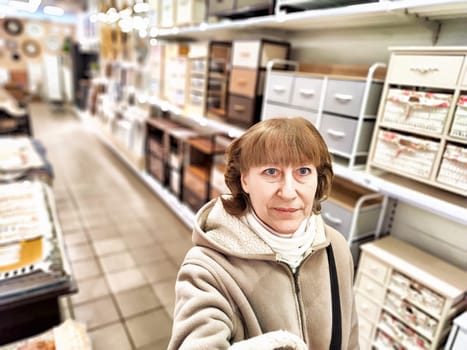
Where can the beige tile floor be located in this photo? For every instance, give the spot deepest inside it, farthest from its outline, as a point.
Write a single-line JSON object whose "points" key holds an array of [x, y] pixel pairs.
{"points": [[124, 244]]}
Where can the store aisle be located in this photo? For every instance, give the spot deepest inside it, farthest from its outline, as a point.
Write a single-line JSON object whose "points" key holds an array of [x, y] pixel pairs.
{"points": [[124, 245]]}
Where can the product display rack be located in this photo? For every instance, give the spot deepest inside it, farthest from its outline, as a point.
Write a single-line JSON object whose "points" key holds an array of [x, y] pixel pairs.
{"points": [[428, 201]]}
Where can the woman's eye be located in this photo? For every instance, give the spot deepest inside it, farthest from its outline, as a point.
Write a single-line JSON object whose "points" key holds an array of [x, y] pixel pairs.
{"points": [[271, 171], [304, 171]]}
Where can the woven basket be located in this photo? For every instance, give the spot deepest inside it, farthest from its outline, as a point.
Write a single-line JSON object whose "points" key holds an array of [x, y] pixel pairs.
{"points": [[405, 154], [459, 126], [422, 111], [453, 169]]}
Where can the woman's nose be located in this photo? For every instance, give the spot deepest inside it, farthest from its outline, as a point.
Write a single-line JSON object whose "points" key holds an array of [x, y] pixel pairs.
{"points": [[288, 187]]}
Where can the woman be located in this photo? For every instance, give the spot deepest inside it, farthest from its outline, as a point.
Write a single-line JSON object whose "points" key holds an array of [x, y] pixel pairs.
{"points": [[266, 272]]}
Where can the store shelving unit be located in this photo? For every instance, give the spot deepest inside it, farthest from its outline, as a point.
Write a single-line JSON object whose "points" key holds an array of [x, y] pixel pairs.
{"points": [[380, 13], [430, 13]]}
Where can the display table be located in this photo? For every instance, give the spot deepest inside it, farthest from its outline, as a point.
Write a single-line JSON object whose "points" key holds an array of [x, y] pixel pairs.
{"points": [[34, 271], [22, 157]]}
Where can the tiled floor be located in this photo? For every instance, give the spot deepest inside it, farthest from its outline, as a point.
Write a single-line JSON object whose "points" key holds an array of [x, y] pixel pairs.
{"points": [[123, 243]]}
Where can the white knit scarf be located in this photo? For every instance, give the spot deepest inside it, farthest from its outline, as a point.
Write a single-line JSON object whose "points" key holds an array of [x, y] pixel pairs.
{"points": [[290, 248]]}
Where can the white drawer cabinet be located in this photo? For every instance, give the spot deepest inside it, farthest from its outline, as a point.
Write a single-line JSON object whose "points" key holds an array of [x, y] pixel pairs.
{"points": [[345, 103], [401, 290], [420, 131]]}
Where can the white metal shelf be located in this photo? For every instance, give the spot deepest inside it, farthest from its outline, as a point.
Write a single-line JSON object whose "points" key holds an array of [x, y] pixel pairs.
{"points": [[381, 13], [436, 201]]}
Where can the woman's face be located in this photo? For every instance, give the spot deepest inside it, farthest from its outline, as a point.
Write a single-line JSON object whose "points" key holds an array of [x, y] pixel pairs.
{"points": [[282, 197]]}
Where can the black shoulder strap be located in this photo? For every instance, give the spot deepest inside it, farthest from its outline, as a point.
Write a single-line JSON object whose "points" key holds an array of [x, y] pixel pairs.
{"points": [[336, 336]]}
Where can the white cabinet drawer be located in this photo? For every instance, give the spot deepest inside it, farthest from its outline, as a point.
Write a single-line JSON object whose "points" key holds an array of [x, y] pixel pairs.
{"points": [[344, 97], [271, 110], [375, 268], [366, 308], [368, 286], [340, 133], [338, 217], [427, 70], [279, 88], [307, 92]]}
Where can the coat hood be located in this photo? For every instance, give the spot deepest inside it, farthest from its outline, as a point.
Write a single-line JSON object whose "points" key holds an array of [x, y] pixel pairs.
{"points": [[216, 229]]}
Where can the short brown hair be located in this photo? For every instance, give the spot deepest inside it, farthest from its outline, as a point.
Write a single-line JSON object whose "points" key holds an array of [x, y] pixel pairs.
{"points": [[281, 141]]}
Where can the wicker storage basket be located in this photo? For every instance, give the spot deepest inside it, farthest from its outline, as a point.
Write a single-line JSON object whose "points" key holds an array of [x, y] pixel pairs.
{"points": [[453, 169], [405, 154], [424, 111], [459, 126]]}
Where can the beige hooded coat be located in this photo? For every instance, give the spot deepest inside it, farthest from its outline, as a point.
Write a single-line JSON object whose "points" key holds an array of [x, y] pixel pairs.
{"points": [[231, 287]]}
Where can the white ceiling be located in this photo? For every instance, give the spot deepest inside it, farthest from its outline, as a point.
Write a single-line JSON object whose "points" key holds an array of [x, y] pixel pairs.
{"points": [[23, 7]]}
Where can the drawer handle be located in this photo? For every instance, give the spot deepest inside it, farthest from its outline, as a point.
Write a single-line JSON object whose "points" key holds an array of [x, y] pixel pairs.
{"points": [[332, 219], [278, 88], [336, 134], [244, 54], [343, 97], [306, 92], [424, 70], [242, 82], [239, 108]]}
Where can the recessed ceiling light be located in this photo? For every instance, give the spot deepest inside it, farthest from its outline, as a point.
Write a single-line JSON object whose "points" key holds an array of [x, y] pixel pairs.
{"points": [[53, 10]]}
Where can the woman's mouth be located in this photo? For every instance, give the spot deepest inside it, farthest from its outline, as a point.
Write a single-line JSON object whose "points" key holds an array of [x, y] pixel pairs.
{"points": [[286, 210]]}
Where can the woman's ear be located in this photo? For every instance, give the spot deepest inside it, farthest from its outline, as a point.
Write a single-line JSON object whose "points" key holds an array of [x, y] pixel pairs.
{"points": [[244, 183]]}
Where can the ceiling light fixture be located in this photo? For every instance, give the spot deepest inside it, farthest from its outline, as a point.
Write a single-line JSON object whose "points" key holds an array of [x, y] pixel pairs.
{"points": [[141, 7], [53, 10]]}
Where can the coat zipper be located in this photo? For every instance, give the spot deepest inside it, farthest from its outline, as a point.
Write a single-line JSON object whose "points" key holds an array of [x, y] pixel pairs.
{"points": [[297, 290]]}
